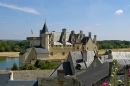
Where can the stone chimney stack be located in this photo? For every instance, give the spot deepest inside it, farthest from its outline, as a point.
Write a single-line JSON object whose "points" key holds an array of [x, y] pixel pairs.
{"points": [[89, 34], [95, 39], [81, 32], [64, 31], [60, 73], [72, 32]]}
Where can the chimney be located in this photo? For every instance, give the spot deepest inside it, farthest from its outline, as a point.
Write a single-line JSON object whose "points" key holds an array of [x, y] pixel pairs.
{"points": [[95, 39], [89, 34], [81, 32], [84, 55], [11, 75], [110, 54], [60, 73], [64, 30]]}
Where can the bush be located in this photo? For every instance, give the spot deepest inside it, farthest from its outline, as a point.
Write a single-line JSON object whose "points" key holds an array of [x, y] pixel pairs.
{"points": [[15, 67]]}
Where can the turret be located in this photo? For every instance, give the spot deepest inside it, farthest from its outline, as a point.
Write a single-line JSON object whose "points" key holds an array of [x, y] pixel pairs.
{"points": [[44, 29], [44, 34]]}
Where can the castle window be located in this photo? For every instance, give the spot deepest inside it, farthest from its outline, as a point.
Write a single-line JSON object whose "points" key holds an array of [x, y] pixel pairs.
{"points": [[51, 45], [87, 48], [51, 53], [63, 53], [78, 47]]}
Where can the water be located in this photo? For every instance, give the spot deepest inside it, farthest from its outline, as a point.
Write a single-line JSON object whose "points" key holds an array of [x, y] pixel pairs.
{"points": [[7, 62]]}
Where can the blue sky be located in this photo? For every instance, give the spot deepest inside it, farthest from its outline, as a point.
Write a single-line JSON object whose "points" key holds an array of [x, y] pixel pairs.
{"points": [[108, 19]]}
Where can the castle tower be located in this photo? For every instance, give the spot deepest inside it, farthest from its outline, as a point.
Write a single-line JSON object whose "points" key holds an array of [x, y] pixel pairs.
{"points": [[44, 34]]}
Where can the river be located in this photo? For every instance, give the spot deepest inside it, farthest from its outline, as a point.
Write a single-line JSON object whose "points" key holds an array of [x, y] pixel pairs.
{"points": [[7, 62]]}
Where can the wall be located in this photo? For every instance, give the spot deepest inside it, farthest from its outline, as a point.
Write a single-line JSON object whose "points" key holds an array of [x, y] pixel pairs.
{"points": [[42, 56], [90, 45]]}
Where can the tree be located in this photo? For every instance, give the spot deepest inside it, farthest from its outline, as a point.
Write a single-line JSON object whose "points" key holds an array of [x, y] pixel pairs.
{"points": [[2, 49], [16, 48], [37, 64], [25, 67], [15, 67]]}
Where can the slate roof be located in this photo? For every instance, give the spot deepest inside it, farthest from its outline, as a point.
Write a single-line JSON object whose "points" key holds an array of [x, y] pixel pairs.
{"points": [[22, 83], [121, 55], [85, 40], [57, 38], [45, 29], [4, 77], [54, 72], [64, 66], [121, 62], [41, 51], [74, 58], [94, 75]]}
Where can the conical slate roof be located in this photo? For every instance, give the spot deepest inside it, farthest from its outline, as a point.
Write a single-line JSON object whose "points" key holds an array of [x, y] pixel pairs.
{"points": [[45, 29]]}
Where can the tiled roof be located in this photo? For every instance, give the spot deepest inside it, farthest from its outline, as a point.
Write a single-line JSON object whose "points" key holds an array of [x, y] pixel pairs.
{"points": [[4, 77], [22, 83], [94, 75], [41, 51]]}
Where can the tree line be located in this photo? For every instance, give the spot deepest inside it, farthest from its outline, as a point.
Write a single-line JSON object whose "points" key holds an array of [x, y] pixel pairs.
{"points": [[16, 46], [39, 65], [113, 44], [12, 45]]}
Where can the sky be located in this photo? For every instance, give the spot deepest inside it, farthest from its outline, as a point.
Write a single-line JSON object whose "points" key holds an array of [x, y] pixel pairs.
{"points": [[108, 19]]}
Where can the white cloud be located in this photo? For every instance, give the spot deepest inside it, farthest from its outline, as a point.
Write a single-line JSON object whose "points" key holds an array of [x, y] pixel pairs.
{"points": [[118, 12], [24, 9]]}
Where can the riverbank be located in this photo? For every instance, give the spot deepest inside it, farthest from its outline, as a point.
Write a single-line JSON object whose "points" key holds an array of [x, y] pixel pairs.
{"points": [[9, 54]]}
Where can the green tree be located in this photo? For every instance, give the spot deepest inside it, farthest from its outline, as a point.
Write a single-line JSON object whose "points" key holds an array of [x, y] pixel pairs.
{"points": [[37, 63], [16, 48], [2, 49], [31, 67], [15, 67], [25, 67]]}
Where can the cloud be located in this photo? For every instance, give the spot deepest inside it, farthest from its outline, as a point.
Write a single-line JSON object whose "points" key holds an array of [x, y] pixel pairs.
{"points": [[118, 12], [24, 9]]}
